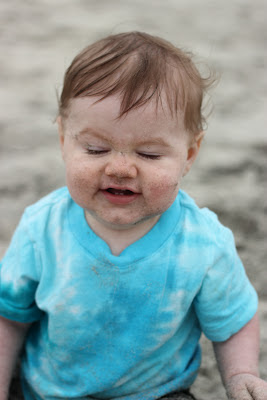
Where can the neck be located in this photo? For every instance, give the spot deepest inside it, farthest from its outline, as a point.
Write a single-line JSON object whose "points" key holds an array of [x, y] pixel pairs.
{"points": [[118, 238]]}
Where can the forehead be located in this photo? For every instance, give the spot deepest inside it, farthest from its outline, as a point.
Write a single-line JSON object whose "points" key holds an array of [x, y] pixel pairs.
{"points": [[96, 113]]}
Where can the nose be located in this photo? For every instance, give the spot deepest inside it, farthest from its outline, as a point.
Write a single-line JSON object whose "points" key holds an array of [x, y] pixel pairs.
{"points": [[121, 165]]}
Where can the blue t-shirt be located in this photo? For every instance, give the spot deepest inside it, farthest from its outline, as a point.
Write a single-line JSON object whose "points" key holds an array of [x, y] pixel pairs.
{"points": [[120, 327]]}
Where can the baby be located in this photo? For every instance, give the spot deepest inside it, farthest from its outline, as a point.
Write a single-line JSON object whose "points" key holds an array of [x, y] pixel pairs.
{"points": [[109, 282]]}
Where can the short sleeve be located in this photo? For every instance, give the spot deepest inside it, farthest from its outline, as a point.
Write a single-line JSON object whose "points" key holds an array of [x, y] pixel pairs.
{"points": [[226, 300], [19, 277]]}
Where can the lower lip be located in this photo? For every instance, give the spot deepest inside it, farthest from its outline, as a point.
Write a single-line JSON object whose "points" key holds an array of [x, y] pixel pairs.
{"points": [[119, 199]]}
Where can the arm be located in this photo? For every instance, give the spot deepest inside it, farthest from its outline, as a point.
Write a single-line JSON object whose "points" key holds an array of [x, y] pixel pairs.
{"points": [[12, 335], [237, 360]]}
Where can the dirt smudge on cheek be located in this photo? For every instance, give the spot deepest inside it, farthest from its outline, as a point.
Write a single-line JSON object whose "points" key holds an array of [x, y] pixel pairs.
{"points": [[164, 189], [161, 196]]}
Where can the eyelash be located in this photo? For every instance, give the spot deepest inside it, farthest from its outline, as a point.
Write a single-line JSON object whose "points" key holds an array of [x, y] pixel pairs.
{"points": [[149, 156], [143, 155], [96, 152]]}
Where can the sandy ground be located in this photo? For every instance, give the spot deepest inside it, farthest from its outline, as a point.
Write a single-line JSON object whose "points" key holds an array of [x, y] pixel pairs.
{"points": [[38, 41]]}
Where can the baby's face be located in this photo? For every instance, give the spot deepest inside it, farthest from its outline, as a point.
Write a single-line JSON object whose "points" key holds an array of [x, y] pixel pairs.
{"points": [[125, 171]]}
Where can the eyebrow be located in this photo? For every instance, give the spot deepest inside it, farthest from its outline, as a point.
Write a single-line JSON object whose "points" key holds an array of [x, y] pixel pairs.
{"points": [[89, 131], [157, 140]]}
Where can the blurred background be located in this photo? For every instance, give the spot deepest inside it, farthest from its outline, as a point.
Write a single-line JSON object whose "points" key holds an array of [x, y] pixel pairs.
{"points": [[38, 40]]}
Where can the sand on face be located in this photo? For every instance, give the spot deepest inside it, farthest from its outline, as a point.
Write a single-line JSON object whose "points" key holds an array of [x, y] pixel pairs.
{"points": [[38, 41]]}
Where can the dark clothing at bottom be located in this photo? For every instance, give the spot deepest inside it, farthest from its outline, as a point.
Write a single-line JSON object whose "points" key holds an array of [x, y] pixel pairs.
{"points": [[16, 394], [184, 395]]}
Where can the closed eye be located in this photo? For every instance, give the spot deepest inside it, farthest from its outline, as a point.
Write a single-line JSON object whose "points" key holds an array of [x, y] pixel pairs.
{"points": [[149, 156], [95, 152]]}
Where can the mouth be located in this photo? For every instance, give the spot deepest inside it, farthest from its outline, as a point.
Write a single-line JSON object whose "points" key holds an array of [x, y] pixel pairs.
{"points": [[120, 192], [119, 196]]}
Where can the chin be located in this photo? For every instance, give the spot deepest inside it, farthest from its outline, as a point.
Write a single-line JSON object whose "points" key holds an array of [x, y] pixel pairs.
{"points": [[120, 223]]}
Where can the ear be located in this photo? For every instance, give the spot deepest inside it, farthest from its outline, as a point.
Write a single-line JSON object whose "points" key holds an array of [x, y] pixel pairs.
{"points": [[61, 134], [193, 150]]}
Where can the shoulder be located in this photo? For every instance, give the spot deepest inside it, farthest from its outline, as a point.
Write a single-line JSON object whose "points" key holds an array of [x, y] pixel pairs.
{"points": [[53, 205], [194, 212], [202, 223], [55, 199]]}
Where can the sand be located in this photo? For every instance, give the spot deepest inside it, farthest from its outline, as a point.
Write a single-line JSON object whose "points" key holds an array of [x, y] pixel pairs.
{"points": [[38, 41]]}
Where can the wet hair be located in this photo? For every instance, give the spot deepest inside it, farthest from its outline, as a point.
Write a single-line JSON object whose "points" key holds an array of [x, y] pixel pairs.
{"points": [[139, 67]]}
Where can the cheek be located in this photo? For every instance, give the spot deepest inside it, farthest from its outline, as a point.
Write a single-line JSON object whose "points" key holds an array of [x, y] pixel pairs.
{"points": [[79, 177], [164, 187]]}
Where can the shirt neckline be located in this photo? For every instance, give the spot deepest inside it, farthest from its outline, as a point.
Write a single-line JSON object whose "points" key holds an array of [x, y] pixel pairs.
{"points": [[142, 248]]}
